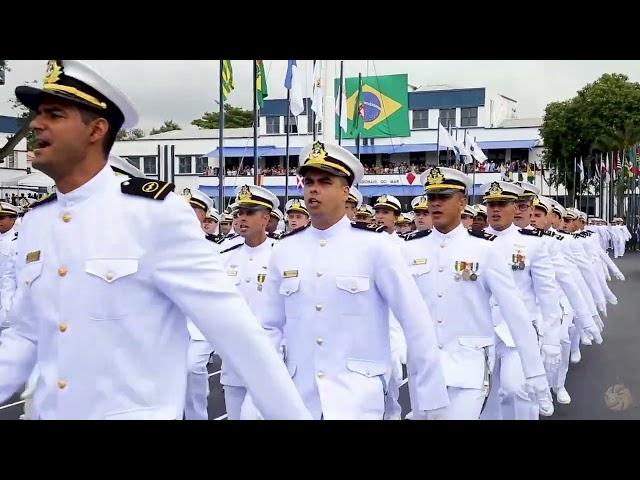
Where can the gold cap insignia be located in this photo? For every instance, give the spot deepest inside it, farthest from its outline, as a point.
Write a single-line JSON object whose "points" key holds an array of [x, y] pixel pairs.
{"points": [[244, 194], [186, 193], [536, 201], [53, 72], [495, 189], [382, 199], [422, 203], [295, 203], [435, 177], [318, 153]]}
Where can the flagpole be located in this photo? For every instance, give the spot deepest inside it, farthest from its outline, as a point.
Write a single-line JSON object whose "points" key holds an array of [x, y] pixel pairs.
{"points": [[286, 162], [575, 167], [565, 181], [475, 166], [340, 100], [313, 113], [255, 122], [438, 144], [358, 100], [611, 188], [448, 151], [221, 145]]}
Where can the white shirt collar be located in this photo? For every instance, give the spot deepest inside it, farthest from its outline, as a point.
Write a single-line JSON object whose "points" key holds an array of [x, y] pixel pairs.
{"points": [[85, 191]]}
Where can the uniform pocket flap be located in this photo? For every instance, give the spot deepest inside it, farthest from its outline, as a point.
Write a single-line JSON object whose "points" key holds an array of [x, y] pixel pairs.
{"points": [[367, 368], [111, 269], [146, 413], [475, 342], [417, 269], [289, 285], [352, 284], [29, 272]]}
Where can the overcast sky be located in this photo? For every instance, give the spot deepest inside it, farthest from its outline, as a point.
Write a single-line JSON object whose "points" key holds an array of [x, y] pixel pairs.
{"points": [[184, 90]]}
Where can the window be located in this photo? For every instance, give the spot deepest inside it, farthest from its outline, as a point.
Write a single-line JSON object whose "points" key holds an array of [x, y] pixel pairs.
{"points": [[293, 124], [11, 160], [469, 117], [448, 117], [201, 164], [417, 158], [135, 161], [273, 125], [520, 154], [150, 166], [420, 119], [184, 164]]}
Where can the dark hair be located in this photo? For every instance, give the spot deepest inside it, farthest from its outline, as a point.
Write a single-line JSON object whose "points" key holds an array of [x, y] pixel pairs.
{"points": [[89, 116]]}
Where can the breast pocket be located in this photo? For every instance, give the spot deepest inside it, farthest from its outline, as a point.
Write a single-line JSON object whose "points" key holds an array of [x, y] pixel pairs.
{"points": [[353, 293], [109, 292], [289, 289], [28, 274]]}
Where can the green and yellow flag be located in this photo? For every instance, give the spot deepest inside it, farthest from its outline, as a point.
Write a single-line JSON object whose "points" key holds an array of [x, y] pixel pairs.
{"points": [[380, 108], [227, 78], [261, 83]]}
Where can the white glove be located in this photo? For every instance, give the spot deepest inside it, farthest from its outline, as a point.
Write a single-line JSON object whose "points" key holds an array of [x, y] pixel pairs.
{"points": [[613, 300], [551, 358], [585, 338], [538, 388], [594, 334], [619, 276], [598, 321], [602, 308]]}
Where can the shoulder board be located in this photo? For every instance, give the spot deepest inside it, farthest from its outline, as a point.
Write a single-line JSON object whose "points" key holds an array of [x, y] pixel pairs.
{"points": [[15, 237], [369, 227], [47, 199], [417, 234], [293, 232], [211, 238], [273, 236], [143, 187], [533, 233], [231, 248], [482, 234]]}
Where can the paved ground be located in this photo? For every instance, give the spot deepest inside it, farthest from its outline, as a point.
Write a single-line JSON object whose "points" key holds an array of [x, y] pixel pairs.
{"points": [[614, 364]]}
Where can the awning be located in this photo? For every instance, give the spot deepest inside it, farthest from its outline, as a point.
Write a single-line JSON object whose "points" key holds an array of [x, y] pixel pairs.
{"points": [[507, 144], [263, 151]]}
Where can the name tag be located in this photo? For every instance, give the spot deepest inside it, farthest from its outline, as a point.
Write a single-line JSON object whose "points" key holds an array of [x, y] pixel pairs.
{"points": [[33, 256], [290, 274], [232, 273], [419, 261]]}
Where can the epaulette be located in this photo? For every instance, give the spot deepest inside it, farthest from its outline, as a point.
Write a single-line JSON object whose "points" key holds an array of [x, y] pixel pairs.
{"points": [[369, 227], [551, 234], [274, 236], [47, 199], [531, 232], [143, 187], [231, 248], [211, 238], [482, 234], [15, 237], [222, 238], [417, 234], [293, 232]]}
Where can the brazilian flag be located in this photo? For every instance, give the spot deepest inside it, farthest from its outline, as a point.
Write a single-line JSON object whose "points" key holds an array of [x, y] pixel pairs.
{"points": [[386, 107]]}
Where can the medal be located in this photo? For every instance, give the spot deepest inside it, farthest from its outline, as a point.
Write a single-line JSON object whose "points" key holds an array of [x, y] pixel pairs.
{"points": [[473, 277], [521, 265], [466, 275]]}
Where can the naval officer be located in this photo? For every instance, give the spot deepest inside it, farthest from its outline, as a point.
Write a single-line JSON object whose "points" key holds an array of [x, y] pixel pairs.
{"points": [[328, 292], [246, 266], [353, 202], [457, 271], [128, 286]]}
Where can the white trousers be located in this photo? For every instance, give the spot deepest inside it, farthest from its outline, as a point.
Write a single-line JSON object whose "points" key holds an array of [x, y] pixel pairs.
{"points": [[464, 404], [508, 399], [618, 248], [233, 399], [195, 406], [392, 408]]}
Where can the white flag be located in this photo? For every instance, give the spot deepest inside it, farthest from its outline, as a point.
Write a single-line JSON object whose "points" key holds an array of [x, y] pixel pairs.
{"points": [[341, 107], [446, 140], [316, 100], [293, 82], [475, 150]]}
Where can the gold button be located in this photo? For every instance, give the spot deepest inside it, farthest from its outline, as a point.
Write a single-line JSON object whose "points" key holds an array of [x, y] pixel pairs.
{"points": [[320, 374], [354, 289], [442, 245], [439, 295], [62, 327], [288, 292], [319, 274], [109, 276], [319, 341], [247, 280], [323, 243], [440, 346], [251, 259], [439, 321], [318, 307], [66, 218], [62, 384], [441, 269], [62, 271]]}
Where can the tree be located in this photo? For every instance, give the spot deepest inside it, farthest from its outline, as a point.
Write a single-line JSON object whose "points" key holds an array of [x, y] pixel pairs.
{"points": [[169, 125], [25, 129], [234, 117], [580, 126], [126, 135]]}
